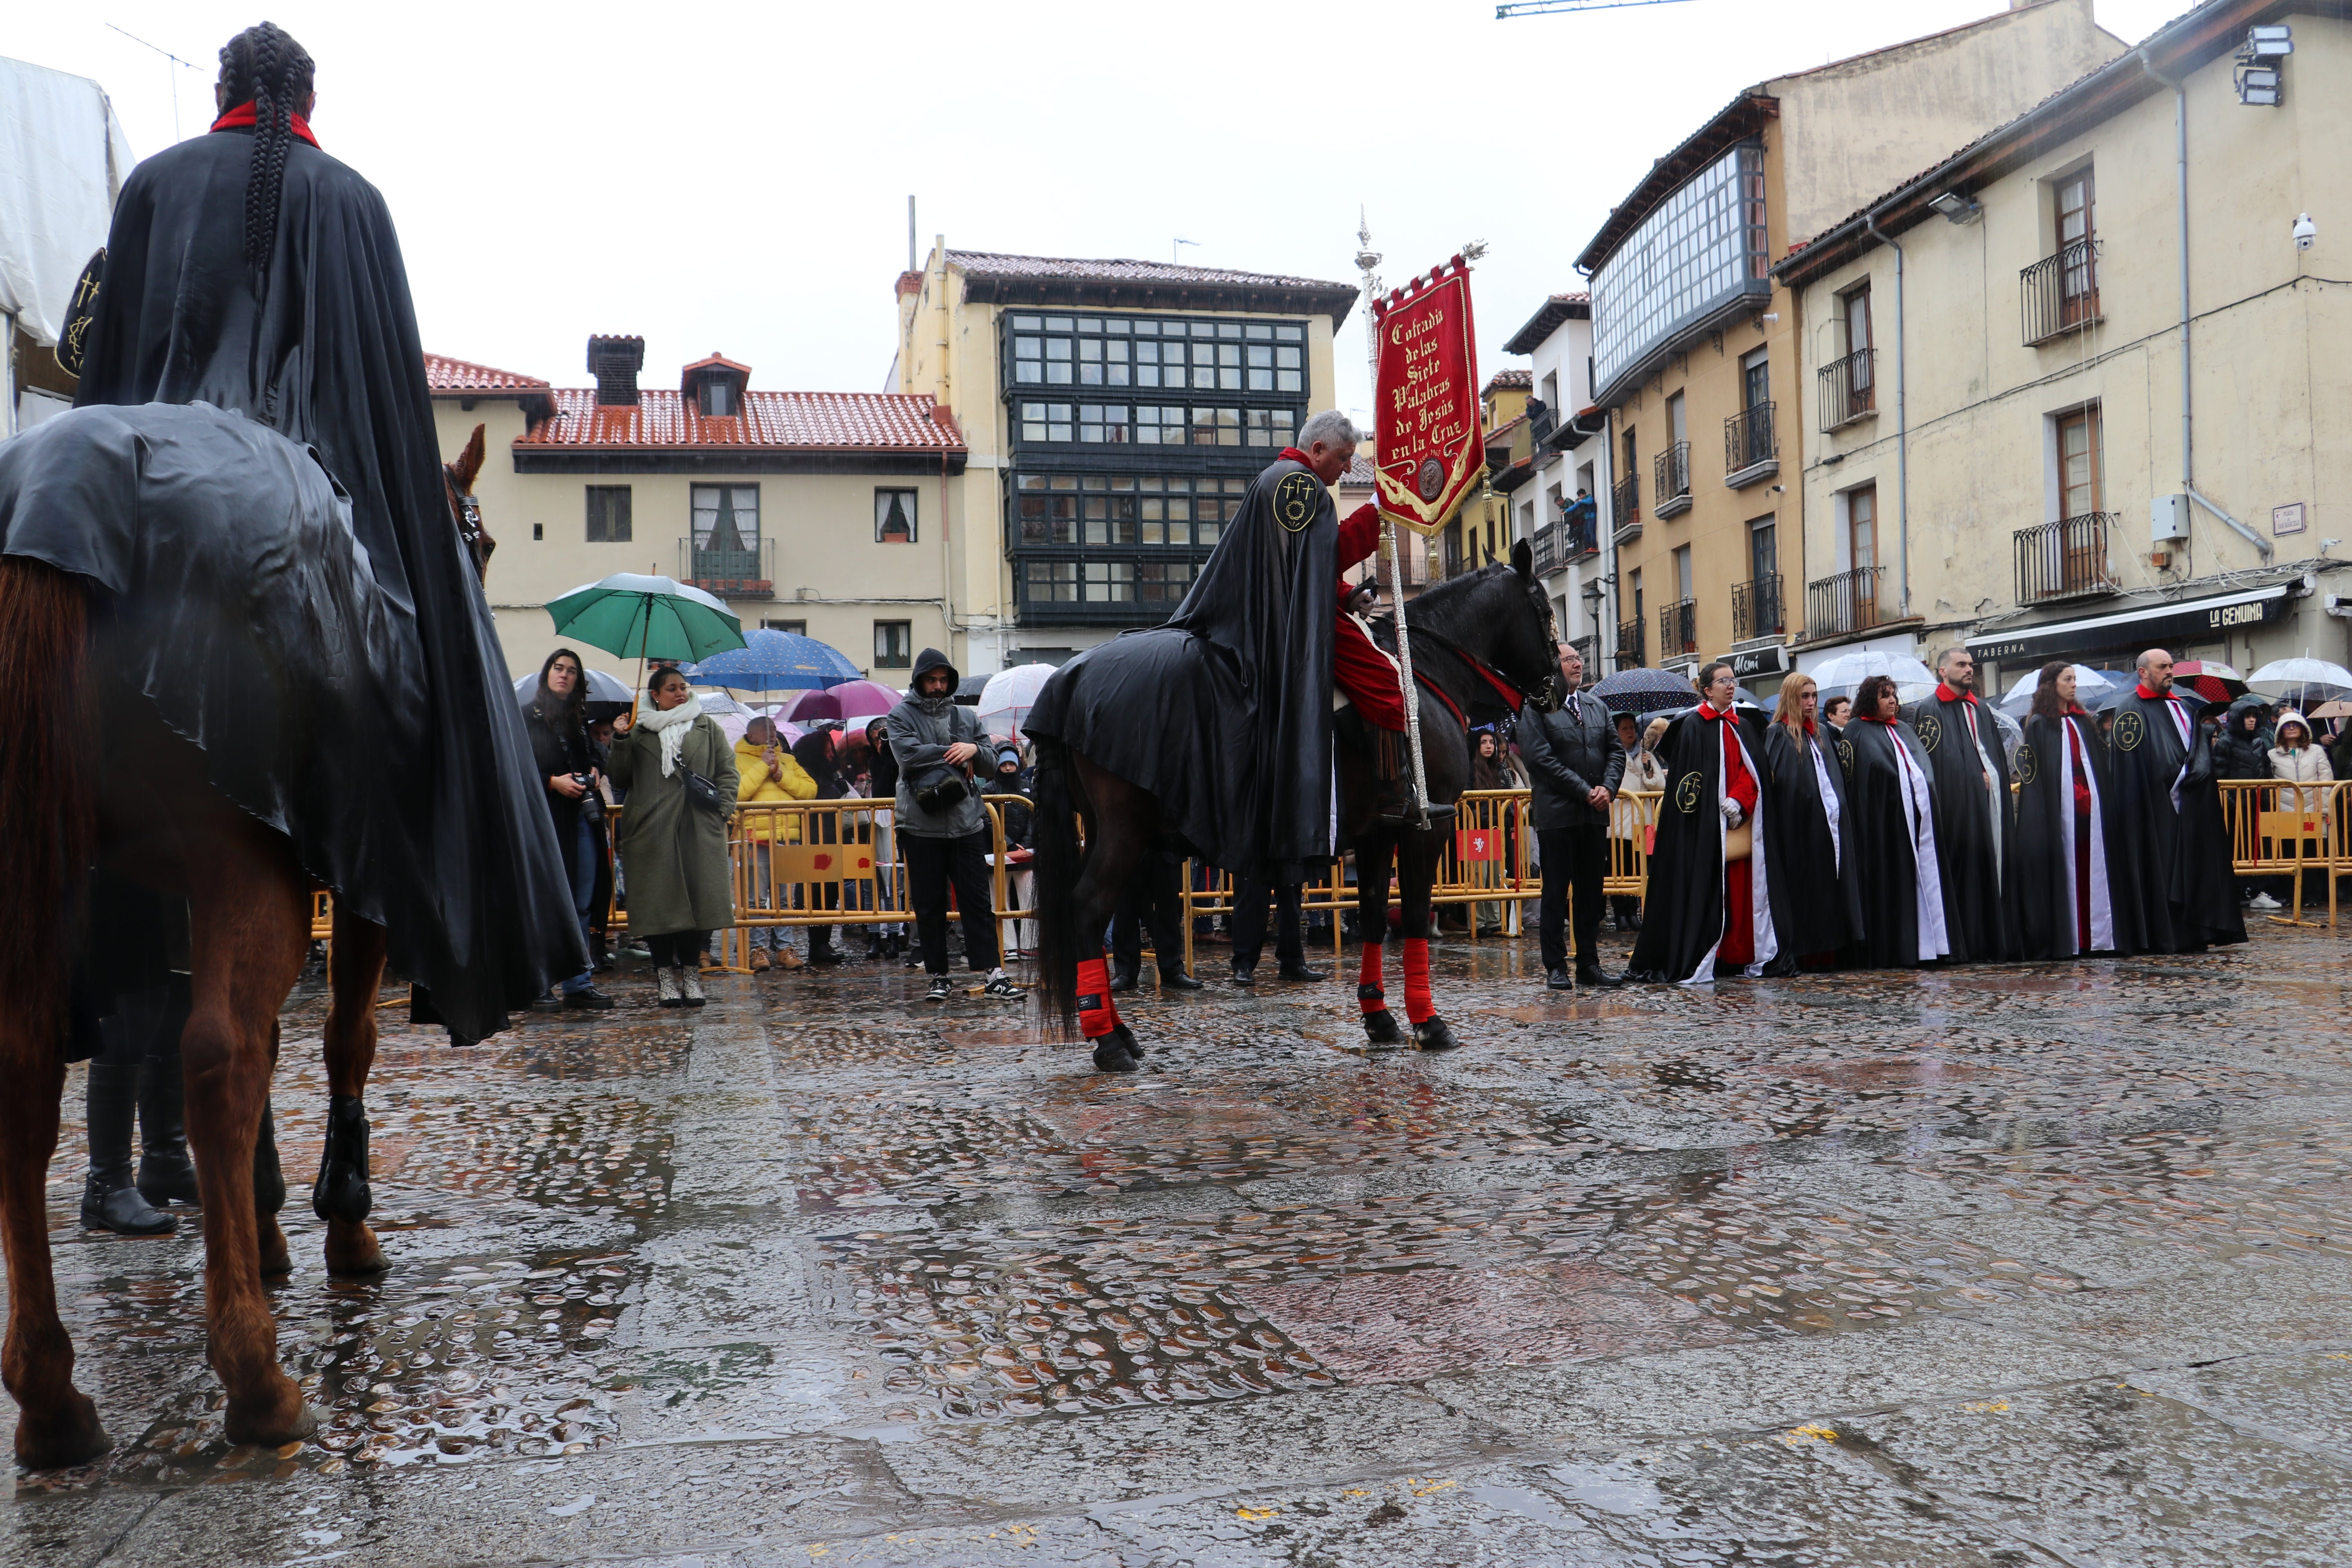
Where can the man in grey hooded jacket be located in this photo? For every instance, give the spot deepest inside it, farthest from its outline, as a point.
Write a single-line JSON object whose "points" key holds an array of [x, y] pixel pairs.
{"points": [[943, 828]]}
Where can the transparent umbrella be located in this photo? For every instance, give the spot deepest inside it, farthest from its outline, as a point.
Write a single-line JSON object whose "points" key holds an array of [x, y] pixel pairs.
{"points": [[1005, 700], [2088, 684], [2302, 681], [1838, 677]]}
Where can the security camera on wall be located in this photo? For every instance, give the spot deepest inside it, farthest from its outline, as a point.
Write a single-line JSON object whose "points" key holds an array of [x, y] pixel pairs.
{"points": [[2306, 232]]}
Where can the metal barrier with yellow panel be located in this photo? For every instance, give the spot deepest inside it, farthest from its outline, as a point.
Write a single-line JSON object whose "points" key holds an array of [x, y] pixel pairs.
{"points": [[836, 862], [2286, 830]]}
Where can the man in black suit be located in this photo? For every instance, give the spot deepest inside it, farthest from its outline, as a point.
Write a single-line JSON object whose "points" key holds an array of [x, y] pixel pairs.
{"points": [[1575, 764]]}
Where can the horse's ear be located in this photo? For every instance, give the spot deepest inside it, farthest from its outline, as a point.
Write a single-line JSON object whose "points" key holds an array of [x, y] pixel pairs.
{"points": [[469, 465], [1523, 560]]}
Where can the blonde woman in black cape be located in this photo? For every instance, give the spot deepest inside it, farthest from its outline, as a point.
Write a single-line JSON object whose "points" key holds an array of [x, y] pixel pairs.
{"points": [[1813, 850]]}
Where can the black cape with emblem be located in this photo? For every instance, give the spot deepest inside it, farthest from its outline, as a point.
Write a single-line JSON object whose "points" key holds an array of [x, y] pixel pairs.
{"points": [[1823, 890], [418, 803], [1682, 909], [2186, 894], [1974, 852], [1886, 860], [1224, 713], [2041, 883]]}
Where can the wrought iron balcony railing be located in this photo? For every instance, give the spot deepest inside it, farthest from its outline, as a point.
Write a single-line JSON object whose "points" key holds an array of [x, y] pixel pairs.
{"points": [[1628, 644], [1849, 389], [1845, 604], [2065, 560], [2059, 294], [1751, 449], [1550, 544], [1677, 629], [730, 573], [1625, 502], [1756, 608], [1673, 473]]}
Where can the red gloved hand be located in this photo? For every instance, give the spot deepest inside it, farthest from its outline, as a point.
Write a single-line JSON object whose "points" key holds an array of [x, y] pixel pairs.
{"points": [[1369, 512]]}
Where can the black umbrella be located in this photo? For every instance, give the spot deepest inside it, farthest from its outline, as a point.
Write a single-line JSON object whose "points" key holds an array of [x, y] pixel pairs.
{"points": [[1645, 692]]}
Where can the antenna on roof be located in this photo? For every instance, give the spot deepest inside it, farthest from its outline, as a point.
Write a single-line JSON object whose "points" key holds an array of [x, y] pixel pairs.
{"points": [[910, 232], [175, 75], [1173, 244], [1545, 8]]}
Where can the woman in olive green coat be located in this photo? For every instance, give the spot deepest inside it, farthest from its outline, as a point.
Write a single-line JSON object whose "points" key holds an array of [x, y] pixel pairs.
{"points": [[673, 849]]}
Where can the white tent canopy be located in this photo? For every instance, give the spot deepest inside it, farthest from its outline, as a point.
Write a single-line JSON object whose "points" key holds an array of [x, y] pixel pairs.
{"points": [[63, 159]]}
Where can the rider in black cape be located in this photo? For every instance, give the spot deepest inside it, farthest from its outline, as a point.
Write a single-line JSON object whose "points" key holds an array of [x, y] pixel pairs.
{"points": [[1684, 923], [2076, 884], [2170, 811], [249, 271], [1224, 713], [1976, 839]]}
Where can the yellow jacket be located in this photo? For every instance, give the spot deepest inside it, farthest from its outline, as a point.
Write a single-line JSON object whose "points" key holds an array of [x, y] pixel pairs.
{"points": [[755, 786]]}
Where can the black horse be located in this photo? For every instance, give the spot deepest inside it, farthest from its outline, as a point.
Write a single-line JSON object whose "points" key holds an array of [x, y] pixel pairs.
{"points": [[1482, 644]]}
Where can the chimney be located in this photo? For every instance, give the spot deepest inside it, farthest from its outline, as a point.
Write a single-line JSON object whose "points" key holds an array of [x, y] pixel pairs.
{"points": [[615, 363]]}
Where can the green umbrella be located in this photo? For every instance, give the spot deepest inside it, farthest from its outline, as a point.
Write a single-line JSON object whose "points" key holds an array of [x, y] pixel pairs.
{"points": [[642, 618]]}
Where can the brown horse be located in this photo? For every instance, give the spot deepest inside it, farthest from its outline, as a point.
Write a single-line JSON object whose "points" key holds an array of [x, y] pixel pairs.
{"points": [[1482, 645], [87, 780]]}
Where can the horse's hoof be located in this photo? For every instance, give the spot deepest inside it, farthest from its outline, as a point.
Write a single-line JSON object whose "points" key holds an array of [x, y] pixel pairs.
{"points": [[353, 1249], [70, 1438], [1432, 1034], [1125, 1037], [284, 1418], [1380, 1028], [1111, 1056], [276, 1259]]}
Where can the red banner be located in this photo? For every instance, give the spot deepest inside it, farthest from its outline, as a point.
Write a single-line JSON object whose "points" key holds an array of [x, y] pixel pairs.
{"points": [[1426, 421]]}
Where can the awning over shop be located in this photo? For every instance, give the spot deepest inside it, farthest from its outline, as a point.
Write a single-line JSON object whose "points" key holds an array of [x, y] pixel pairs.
{"points": [[2151, 626]]}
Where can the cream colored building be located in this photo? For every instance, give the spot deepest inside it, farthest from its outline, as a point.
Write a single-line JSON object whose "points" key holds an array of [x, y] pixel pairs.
{"points": [[2014, 470], [830, 513], [1697, 349], [1116, 410]]}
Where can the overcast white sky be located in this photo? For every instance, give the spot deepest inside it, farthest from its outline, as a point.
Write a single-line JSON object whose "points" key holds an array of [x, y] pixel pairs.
{"points": [[734, 176]]}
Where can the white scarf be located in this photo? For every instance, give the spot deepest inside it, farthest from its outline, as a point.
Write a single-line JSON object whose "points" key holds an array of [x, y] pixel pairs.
{"points": [[671, 724]]}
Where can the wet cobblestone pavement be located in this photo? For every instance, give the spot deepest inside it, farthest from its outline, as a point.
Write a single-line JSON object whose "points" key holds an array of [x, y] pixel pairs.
{"points": [[2038, 1265]]}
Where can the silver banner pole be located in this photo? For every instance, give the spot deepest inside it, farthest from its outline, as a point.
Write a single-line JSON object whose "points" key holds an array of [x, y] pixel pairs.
{"points": [[1405, 674]]}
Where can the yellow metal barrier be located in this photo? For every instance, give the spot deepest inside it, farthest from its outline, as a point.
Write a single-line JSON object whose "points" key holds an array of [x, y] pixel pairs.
{"points": [[836, 862], [2284, 830]]}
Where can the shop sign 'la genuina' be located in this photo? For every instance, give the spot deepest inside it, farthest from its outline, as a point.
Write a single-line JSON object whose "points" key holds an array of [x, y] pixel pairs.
{"points": [[1426, 423]]}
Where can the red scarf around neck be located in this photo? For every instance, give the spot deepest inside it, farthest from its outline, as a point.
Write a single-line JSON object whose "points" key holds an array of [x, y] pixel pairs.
{"points": [[2145, 695], [243, 114], [1946, 694]]}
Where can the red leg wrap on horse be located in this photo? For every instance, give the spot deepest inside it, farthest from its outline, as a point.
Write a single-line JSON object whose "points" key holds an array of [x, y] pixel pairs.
{"points": [[1369, 994], [1418, 1008], [1097, 1015]]}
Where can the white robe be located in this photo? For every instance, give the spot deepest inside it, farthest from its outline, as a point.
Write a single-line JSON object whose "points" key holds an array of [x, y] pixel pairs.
{"points": [[1928, 875], [1767, 943], [2102, 908]]}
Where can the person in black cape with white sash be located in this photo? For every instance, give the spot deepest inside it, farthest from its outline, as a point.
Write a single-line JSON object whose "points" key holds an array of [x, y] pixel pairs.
{"points": [[1813, 832], [2074, 886], [1976, 825], [1891, 799], [2169, 802], [1713, 902]]}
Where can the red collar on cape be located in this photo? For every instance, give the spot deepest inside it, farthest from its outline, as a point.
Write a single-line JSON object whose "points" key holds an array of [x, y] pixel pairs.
{"points": [[243, 114], [2145, 695], [1946, 694]]}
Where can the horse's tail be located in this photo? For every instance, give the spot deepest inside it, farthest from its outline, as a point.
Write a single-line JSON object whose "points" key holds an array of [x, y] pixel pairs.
{"points": [[1056, 866], [48, 828]]}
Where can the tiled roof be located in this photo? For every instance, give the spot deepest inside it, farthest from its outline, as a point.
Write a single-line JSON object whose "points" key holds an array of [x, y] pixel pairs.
{"points": [[454, 376], [994, 265], [1518, 378], [855, 421], [1360, 467]]}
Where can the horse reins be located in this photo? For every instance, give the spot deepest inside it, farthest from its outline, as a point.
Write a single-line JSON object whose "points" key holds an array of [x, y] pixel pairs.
{"points": [[1512, 694]]}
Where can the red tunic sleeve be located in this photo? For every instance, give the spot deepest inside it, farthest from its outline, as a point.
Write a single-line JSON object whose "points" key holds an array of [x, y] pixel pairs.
{"points": [[1359, 535], [1738, 782]]}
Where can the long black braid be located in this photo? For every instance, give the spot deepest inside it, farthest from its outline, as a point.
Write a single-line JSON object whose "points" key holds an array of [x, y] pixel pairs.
{"points": [[266, 65]]}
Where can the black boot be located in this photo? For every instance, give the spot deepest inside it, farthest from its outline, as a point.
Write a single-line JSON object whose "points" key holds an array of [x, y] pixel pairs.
{"points": [[166, 1175], [1172, 978], [110, 1201], [341, 1191], [1124, 976], [821, 952], [269, 1179]]}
